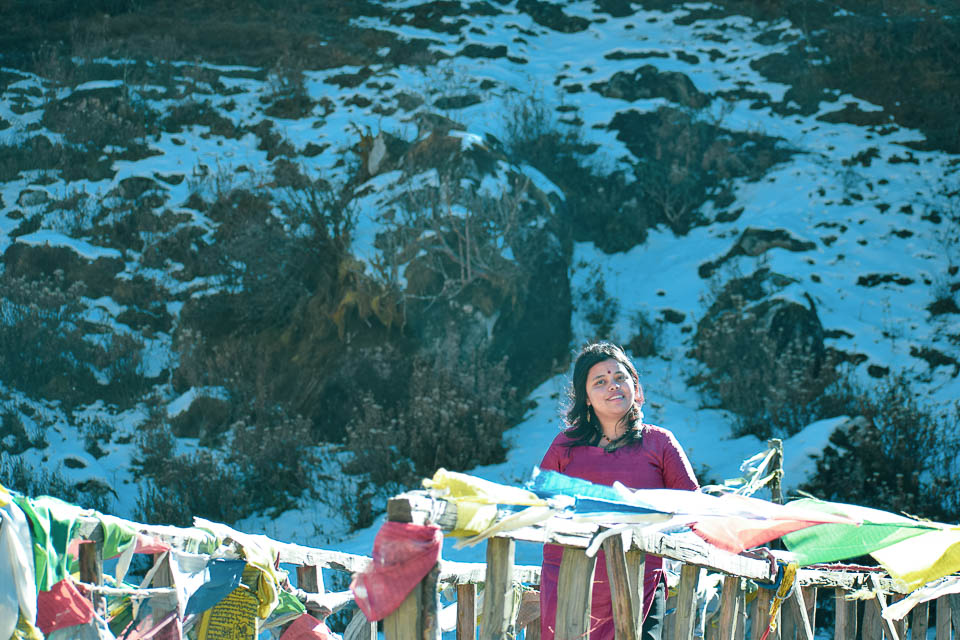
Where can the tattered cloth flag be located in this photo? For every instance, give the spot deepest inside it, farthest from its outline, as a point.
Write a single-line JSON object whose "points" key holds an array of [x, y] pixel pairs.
{"points": [[62, 606], [403, 554], [306, 627]]}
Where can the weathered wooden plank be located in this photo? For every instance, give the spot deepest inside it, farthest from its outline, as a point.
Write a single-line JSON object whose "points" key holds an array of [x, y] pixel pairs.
{"points": [[689, 551], [360, 628], [91, 570], [466, 611], [670, 619], [636, 569], [789, 622], [845, 624], [453, 573], [776, 468], [310, 578], [920, 621], [872, 624], [742, 618], [731, 600], [626, 610], [954, 600], [498, 603], [419, 507], [943, 618], [879, 604], [686, 602], [430, 605], [574, 595], [810, 600], [798, 610], [848, 580], [532, 631], [406, 623], [901, 624], [760, 615]]}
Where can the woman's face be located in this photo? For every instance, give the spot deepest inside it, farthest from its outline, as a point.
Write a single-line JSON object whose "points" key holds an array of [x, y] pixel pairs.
{"points": [[610, 390]]}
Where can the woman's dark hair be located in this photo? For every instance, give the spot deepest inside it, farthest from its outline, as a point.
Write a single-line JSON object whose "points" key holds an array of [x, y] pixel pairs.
{"points": [[582, 424]]}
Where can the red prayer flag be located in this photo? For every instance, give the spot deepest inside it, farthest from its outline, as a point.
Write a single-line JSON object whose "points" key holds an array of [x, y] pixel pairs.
{"points": [[306, 627], [62, 606]]}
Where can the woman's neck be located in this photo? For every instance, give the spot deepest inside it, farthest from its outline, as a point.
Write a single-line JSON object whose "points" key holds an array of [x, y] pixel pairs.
{"points": [[612, 430]]}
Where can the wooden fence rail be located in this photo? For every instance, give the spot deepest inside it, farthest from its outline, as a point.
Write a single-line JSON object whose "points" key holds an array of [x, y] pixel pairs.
{"points": [[625, 551], [504, 616]]}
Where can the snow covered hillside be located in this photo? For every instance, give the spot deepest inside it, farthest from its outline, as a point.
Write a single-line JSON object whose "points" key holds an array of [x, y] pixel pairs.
{"points": [[136, 196]]}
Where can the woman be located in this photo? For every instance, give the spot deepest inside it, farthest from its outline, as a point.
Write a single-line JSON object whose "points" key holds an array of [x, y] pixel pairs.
{"points": [[606, 441]]}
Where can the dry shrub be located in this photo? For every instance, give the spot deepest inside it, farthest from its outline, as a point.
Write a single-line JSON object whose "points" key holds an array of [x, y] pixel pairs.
{"points": [[451, 412], [602, 205], [199, 113], [177, 487], [206, 418], [37, 152], [765, 358], [13, 434], [101, 117], [895, 455], [18, 475], [273, 456], [47, 316], [266, 463], [685, 157]]}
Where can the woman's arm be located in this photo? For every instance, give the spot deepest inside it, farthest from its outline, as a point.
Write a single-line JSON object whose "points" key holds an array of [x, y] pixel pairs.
{"points": [[676, 468]]}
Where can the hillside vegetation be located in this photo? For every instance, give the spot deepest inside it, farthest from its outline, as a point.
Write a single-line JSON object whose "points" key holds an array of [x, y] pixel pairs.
{"points": [[247, 245]]}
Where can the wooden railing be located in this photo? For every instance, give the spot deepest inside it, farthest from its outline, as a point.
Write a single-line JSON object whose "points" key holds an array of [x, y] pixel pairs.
{"points": [[626, 548]]}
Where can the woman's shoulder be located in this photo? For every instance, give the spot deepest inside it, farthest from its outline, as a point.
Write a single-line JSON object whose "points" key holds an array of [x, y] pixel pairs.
{"points": [[562, 438], [657, 433]]}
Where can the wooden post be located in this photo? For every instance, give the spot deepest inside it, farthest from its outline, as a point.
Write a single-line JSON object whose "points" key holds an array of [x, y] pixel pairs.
{"points": [[498, 612], [741, 631], [91, 571], [920, 621], [872, 625], [533, 630], [776, 468], [790, 625], [731, 603], [845, 626], [901, 624], [880, 604], [466, 611], [360, 628], [670, 620], [761, 615], [574, 595], [798, 611], [954, 600], [686, 602], [405, 622], [636, 571], [627, 608], [310, 579], [810, 600], [430, 604], [943, 618]]}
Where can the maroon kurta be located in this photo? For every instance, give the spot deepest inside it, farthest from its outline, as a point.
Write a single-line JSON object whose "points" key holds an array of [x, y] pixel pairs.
{"points": [[657, 462]]}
